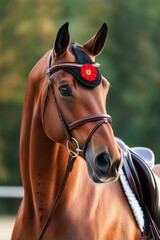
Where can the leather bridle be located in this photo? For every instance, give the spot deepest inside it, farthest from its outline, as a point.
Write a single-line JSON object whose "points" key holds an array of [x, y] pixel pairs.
{"points": [[68, 127]]}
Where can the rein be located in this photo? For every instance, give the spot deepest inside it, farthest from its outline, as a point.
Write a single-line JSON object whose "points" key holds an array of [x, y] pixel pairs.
{"points": [[71, 160], [68, 127]]}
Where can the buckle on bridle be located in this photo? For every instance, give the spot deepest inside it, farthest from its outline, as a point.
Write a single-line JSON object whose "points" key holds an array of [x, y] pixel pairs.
{"points": [[77, 149]]}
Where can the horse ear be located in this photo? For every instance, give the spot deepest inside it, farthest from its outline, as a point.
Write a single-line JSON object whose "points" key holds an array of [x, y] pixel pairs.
{"points": [[62, 40], [95, 44]]}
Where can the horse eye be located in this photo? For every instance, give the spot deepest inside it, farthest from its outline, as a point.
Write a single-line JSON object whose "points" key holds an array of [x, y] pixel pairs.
{"points": [[65, 90]]}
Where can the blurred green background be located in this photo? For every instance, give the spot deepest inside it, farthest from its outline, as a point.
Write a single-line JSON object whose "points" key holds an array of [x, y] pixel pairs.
{"points": [[130, 61]]}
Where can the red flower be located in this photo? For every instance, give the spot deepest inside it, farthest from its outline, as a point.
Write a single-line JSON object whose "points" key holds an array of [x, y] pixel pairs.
{"points": [[89, 72]]}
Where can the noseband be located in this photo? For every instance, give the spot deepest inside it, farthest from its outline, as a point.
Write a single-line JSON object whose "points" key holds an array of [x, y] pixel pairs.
{"points": [[68, 127]]}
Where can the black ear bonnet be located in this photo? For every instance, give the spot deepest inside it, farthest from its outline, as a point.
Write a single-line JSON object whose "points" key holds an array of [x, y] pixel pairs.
{"points": [[84, 69]]}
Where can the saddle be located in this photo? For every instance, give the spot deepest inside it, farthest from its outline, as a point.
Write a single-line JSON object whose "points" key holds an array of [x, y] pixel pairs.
{"points": [[137, 166]]}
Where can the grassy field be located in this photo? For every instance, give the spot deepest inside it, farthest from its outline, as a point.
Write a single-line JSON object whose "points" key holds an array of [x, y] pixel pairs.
{"points": [[6, 226]]}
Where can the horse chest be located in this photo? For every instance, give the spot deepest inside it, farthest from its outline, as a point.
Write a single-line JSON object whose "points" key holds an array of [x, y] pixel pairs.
{"points": [[71, 229], [93, 220], [84, 230]]}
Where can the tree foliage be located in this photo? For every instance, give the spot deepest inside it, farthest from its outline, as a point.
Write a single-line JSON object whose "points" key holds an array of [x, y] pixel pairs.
{"points": [[130, 61]]}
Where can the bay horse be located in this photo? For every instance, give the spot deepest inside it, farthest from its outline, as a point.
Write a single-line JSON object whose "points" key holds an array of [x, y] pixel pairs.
{"points": [[64, 113]]}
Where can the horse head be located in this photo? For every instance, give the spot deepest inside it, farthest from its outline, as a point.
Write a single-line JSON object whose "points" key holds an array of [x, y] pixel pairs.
{"points": [[78, 116]]}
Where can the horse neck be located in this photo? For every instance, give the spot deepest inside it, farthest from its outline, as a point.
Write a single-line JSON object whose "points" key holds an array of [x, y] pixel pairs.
{"points": [[43, 163], [46, 164]]}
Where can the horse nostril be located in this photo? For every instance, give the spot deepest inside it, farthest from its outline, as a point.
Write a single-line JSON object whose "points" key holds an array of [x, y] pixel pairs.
{"points": [[102, 162]]}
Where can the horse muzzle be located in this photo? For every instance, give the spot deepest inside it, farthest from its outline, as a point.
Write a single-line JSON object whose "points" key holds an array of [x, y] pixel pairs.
{"points": [[102, 167]]}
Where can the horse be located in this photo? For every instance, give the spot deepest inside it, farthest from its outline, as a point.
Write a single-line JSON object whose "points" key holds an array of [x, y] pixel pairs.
{"points": [[65, 121]]}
